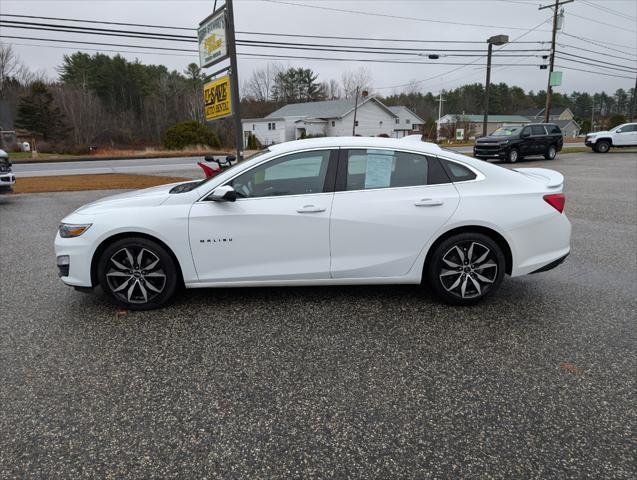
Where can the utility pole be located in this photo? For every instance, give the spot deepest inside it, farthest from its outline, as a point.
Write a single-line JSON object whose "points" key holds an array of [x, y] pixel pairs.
{"points": [[495, 40], [634, 102], [355, 111], [593, 113], [440, 100], [234, 80], [549, 88]]}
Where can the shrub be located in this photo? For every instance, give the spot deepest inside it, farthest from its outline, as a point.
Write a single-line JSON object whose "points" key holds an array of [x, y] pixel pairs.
{"points": [[187, 134], [252, 142]]}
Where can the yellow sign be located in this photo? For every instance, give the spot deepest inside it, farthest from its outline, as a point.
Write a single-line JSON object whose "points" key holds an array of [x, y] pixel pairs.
{"points": [[216, 96]]}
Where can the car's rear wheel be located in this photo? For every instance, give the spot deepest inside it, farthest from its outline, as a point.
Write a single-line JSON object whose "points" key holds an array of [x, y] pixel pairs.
{"points": [[465, 268], [138, 273], [602, 146], [513, 155], [550, 153]]}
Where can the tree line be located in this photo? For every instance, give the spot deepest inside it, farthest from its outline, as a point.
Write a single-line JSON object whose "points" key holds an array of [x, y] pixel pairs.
{"points": [[110, 101]]}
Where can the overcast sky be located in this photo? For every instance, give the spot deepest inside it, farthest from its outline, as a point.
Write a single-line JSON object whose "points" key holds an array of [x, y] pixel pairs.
{"points": [[609, 21]]}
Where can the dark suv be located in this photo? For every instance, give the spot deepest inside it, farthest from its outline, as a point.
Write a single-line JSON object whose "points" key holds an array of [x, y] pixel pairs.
{"points": [[516, 142]]}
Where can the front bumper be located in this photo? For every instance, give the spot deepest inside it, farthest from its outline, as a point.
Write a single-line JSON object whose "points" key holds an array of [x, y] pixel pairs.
{"points": [[7, 180], [490, 151], [588, 142], [79, 250]]}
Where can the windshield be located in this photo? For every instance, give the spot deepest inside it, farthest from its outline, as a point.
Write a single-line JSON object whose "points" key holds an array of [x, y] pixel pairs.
{"points": [[506, 131]]}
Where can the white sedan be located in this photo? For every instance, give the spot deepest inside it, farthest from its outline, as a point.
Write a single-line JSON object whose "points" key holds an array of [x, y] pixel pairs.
{"points": [[326, 211]]}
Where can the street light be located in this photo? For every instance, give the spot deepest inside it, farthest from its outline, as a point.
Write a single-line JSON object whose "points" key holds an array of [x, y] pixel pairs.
{"points": [[495, 40]]}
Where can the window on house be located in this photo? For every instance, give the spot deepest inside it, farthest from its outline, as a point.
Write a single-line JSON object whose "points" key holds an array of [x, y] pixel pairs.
{"points": [[397, 121], [274, 126], [253, 127], [333, 123], [407, 121], [380, 123]]}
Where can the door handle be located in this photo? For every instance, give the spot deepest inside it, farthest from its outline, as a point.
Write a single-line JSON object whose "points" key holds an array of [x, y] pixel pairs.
{"points": [[310, 209], [429, 202]]}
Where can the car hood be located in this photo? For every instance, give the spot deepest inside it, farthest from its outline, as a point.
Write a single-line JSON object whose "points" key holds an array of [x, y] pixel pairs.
{"points": [[147, 197], [593, 134]]}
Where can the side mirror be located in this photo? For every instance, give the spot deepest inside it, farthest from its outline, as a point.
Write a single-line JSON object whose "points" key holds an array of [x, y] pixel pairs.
{"points": [[223, 194]]}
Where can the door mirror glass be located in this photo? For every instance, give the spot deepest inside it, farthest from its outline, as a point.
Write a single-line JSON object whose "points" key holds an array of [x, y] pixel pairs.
{"points": [[223, 194], [619, 130]]}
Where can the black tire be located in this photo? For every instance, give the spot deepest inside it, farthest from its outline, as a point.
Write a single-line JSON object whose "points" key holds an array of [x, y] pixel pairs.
{"points": [[144, 286], [513, 155], [472, 286], [602, 146], [551, 153]]}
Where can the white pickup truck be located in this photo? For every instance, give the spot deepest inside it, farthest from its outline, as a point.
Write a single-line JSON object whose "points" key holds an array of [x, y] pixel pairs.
{"points": [[621, 136], [7, 178]]}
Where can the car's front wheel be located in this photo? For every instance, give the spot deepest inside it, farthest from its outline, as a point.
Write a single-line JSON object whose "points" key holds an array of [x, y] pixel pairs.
{"points": [[550, 153], [138, 273], [602, 146], [465, 268]]}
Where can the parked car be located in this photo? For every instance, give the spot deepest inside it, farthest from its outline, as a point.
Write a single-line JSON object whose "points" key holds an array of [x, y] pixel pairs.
{"points": [[516, 142], [624, 135], [7, 178], [324, 211]]}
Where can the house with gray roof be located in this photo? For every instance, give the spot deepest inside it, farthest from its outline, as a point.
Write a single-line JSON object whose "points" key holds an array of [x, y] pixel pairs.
{"points": [[330, 118]]}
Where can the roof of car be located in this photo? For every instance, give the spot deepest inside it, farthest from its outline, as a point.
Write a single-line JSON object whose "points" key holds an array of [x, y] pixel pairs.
{"points": [[358, 142]]}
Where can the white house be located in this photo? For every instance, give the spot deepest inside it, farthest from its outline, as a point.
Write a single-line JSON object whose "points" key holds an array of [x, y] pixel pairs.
{"points": [[406, 121], [331, 118]]}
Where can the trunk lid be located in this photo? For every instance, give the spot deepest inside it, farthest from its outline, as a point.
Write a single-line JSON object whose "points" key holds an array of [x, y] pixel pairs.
{"points": [[549, 178]]}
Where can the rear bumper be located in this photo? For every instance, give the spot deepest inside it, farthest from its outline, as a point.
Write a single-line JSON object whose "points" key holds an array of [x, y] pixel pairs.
{"points": [[552, 265]]}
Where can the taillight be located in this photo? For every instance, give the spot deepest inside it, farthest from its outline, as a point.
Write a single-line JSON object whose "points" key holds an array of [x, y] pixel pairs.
{"points": [[556, 200]]}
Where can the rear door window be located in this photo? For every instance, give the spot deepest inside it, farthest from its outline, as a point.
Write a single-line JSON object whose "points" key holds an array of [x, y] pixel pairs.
{"points": [[371, 169], [553, 130], [537, 130]]}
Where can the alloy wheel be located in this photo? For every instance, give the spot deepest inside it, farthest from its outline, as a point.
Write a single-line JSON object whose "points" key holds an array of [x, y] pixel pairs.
{"points": [[469, 269], [552, 153], [513, 156], [135, 275]]}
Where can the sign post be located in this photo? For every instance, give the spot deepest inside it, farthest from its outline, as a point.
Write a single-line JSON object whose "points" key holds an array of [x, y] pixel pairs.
{"points": [[217, 43]]}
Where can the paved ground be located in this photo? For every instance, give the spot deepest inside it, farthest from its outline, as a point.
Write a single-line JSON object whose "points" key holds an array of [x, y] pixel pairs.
{"points": [[365, 382]]}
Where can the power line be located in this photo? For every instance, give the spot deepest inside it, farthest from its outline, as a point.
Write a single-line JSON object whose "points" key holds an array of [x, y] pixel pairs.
{"points": [[414, 19], [601, 44], [532, 29], [609, 10], [606, 55], [599, 22], [191, 55], [596, 65], [330, 37], [596, 60], [594, 72]]}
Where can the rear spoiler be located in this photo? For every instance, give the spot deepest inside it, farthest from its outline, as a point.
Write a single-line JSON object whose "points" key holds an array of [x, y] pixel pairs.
{"points": [[550, 178]]}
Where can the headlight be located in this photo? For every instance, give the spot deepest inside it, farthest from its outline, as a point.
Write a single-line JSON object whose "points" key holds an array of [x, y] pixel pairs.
{"points": [[68, 230]]}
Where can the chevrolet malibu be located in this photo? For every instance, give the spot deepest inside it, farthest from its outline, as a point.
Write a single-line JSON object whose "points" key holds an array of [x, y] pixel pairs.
{"points": [[327, 211]]}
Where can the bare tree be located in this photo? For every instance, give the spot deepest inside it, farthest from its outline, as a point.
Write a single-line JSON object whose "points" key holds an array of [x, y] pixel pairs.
{"points": [[83, 112], [332, 89], [353, 79], [259, 86], [10, 65]]}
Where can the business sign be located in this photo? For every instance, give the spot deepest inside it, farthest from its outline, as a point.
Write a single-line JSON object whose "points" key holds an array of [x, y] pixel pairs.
{"points": [[556, 79], [217, 98], [212, 39]]}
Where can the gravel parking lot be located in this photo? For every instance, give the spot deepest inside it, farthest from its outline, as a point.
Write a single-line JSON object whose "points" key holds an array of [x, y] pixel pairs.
{"points": [[342, 382]]}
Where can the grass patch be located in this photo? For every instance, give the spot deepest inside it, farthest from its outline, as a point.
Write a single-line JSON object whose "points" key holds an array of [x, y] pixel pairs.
{"points": [[74, 183], [40, 156]]}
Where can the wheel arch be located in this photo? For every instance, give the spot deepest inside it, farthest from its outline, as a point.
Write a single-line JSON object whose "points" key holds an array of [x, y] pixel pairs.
{"points": [[119, 236], [491, 233], [605, 139]]}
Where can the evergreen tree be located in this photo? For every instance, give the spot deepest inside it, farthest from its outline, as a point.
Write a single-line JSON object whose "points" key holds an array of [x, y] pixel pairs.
{"points": [[38, 113]]}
